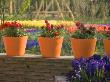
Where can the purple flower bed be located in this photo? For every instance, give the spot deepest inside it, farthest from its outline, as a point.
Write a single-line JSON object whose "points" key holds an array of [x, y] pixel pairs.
{"points": [[32, 30], [93, 69], [31, 43]]}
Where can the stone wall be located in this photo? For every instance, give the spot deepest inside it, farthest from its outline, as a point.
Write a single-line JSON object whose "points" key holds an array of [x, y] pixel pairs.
{"points": [[32, 68]]}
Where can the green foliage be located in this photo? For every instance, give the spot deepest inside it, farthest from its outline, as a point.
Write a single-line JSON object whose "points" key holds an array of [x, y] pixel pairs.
{"points": [[79, 35], [24, 6], [91, 8], [66, 46], [13, 32], [106, 34]]}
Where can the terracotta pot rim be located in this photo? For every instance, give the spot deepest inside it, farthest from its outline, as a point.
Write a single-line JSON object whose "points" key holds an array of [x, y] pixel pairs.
{"points": [[106, 39], [13, 37], [84, 39], [50, 37]]}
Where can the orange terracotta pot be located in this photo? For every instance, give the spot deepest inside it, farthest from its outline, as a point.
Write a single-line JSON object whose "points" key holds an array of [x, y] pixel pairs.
{"points": [[107, 46], [83, 47], [15, 46], [50, 47]]}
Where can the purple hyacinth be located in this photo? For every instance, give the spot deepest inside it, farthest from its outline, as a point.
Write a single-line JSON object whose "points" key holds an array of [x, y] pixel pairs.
{"points": [[92, 66], [106, 59], [96, 57], [31, 43], [83, 63], [31, 30], [93, 69], [76, 64], [107, 67], [101, 65]]}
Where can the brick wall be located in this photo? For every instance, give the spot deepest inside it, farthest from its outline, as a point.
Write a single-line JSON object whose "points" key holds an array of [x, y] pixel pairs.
{"points": [[32, 68]]}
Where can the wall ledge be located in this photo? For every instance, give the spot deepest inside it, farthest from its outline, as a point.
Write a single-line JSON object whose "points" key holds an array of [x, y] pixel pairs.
{"points": [[2, 55], [33, 68]]}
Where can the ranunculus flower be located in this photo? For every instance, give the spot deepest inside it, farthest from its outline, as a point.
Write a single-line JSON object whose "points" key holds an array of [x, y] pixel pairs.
{"points": [[50, 30], [18, 25], [12, 29], [84, 32], [78, 24], [7, 24], [12, 24]]}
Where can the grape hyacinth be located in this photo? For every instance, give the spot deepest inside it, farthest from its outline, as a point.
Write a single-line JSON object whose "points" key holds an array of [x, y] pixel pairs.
{"points": [[31, 43], [93, 69]]}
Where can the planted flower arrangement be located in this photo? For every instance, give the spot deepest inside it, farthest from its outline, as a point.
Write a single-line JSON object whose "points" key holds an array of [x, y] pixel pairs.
{"points": [[93, 69], [14, 38], [83, 40], [50, 40], [106, 41], [52, 31]]}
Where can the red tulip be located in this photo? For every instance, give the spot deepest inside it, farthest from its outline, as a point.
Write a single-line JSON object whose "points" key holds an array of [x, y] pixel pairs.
{"points": [[46, 21], [78, 24], [7, 24], [48, 26], [1, 27]]}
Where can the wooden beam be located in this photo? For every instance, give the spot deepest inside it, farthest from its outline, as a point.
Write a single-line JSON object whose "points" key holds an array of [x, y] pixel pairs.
{"points": [[41, 4], [70, 11], [59, 9], [10, 7]]}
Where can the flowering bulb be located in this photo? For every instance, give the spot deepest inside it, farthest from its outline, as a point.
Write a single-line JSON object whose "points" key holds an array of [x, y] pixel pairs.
{"points": [[78, 24], [46, 21]]}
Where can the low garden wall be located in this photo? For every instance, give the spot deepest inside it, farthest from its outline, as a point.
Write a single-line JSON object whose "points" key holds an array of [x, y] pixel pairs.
{"points": [[32, 68]]}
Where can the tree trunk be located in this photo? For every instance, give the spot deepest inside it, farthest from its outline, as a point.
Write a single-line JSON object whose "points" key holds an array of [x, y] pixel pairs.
{"points": [[10, 7]]}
